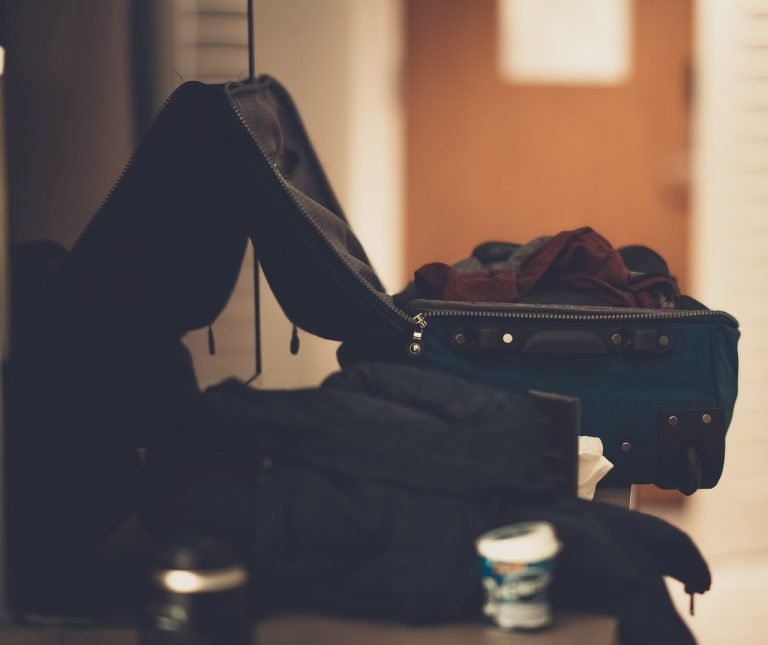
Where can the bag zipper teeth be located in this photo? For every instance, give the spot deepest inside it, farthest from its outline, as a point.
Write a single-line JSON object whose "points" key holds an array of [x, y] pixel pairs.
{"points": [[302, 210], [419, 319], [122, 175], [416, 344], [660, 315]]}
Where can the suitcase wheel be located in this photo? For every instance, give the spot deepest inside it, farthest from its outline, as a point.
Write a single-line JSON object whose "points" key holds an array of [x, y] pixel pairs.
{"points": [[691, 445], [690, 470]]}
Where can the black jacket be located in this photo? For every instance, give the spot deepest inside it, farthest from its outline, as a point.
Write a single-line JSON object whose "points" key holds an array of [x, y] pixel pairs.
{"points": [[365, 496]]}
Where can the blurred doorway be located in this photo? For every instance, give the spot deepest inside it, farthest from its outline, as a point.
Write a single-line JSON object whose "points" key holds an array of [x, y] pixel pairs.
{"points": [[487, 159]]}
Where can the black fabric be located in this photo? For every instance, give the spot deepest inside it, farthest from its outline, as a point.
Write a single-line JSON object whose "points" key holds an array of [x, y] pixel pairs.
{"points": [[354, 547], [161, 257], [641, 259], [365, 497], [315, 265], [347, 478], [393, 424], [34, 265]]}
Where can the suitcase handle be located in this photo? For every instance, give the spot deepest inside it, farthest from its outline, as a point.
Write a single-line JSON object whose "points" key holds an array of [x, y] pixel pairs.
{"points": [[566, 341], [560, 340], [691, 444], [690, 468]]}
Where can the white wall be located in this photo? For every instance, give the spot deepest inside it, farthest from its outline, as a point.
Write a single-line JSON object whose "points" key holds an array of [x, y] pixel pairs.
{"points": [[340, 60], [730, 250]]}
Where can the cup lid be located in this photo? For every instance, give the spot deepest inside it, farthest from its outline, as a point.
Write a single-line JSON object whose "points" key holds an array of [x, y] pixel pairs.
{"points": [[522, 542]]}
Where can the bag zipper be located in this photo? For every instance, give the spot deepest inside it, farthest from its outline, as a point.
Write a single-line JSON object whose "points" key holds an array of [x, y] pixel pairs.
{"points": [[415, 345], [367, 288], [419, 320]]}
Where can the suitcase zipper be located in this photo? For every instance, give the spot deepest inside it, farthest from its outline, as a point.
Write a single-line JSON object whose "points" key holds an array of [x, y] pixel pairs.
{"points": [[416, 348], [380, 297], [419, 320]]}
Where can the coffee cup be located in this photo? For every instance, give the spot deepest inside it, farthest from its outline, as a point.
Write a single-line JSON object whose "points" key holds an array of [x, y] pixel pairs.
{"points": [[517, 562]]}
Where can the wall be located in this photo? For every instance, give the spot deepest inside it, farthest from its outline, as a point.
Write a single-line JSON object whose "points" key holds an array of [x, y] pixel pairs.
{"points": [[69, 112], [340, 60], [495, 160], [729, 235], [730, 268]]}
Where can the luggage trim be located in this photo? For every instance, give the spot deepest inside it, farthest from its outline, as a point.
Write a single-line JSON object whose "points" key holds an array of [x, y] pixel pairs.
{"points": [[607, 314]]}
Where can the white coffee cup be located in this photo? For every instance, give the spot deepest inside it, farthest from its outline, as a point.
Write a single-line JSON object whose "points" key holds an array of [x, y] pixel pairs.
{"points": [[517, 563]]}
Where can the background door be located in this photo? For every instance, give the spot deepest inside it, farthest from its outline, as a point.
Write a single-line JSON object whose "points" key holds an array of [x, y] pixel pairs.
{"points": [[487, 159]]}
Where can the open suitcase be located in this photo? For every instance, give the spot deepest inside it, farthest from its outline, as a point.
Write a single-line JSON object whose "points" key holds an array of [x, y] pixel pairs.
{"points": [[657, 386]]}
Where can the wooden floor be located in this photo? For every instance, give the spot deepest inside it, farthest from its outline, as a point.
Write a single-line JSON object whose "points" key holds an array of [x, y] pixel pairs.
{"points": [[730, 526], [734, 610], [298, 630]]}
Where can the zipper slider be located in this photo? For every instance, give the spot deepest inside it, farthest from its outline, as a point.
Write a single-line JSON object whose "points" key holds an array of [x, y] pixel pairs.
{"points": [[415, 345], [295, 344], [211, 341]]}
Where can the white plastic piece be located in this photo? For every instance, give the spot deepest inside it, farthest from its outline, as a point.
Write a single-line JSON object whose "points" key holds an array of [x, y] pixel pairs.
{"points": [[593, 466]]}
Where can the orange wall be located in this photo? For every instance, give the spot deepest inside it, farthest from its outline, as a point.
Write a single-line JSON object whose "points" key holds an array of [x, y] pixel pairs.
{"points": [[491, 160]]}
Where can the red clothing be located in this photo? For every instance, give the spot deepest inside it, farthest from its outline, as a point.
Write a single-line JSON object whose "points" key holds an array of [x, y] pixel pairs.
{"points": [[580, 260]]}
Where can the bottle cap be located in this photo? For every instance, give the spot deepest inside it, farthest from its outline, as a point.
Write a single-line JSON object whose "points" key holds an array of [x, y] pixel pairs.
{"points": [[524, 542], [199, 565]]}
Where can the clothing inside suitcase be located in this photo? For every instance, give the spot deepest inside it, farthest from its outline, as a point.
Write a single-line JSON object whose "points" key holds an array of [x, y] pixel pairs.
{"points": [[658, 386]]}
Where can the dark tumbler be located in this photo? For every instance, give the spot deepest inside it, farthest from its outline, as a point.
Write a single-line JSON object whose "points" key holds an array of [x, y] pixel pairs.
{"points": [[197, 596]]}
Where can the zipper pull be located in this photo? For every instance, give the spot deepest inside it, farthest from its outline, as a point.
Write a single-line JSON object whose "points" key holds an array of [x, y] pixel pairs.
{"points": [[415, 346], [295, 343], [211, 341]]}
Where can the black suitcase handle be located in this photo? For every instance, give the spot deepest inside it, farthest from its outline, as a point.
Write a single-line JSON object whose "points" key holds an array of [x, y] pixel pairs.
{"points": [[691, 446], [500, 340], [569, 341], [690, 470]]}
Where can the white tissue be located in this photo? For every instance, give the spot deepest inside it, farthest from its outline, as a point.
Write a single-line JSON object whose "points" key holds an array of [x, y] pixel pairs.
{"points": [[592, 465]]}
